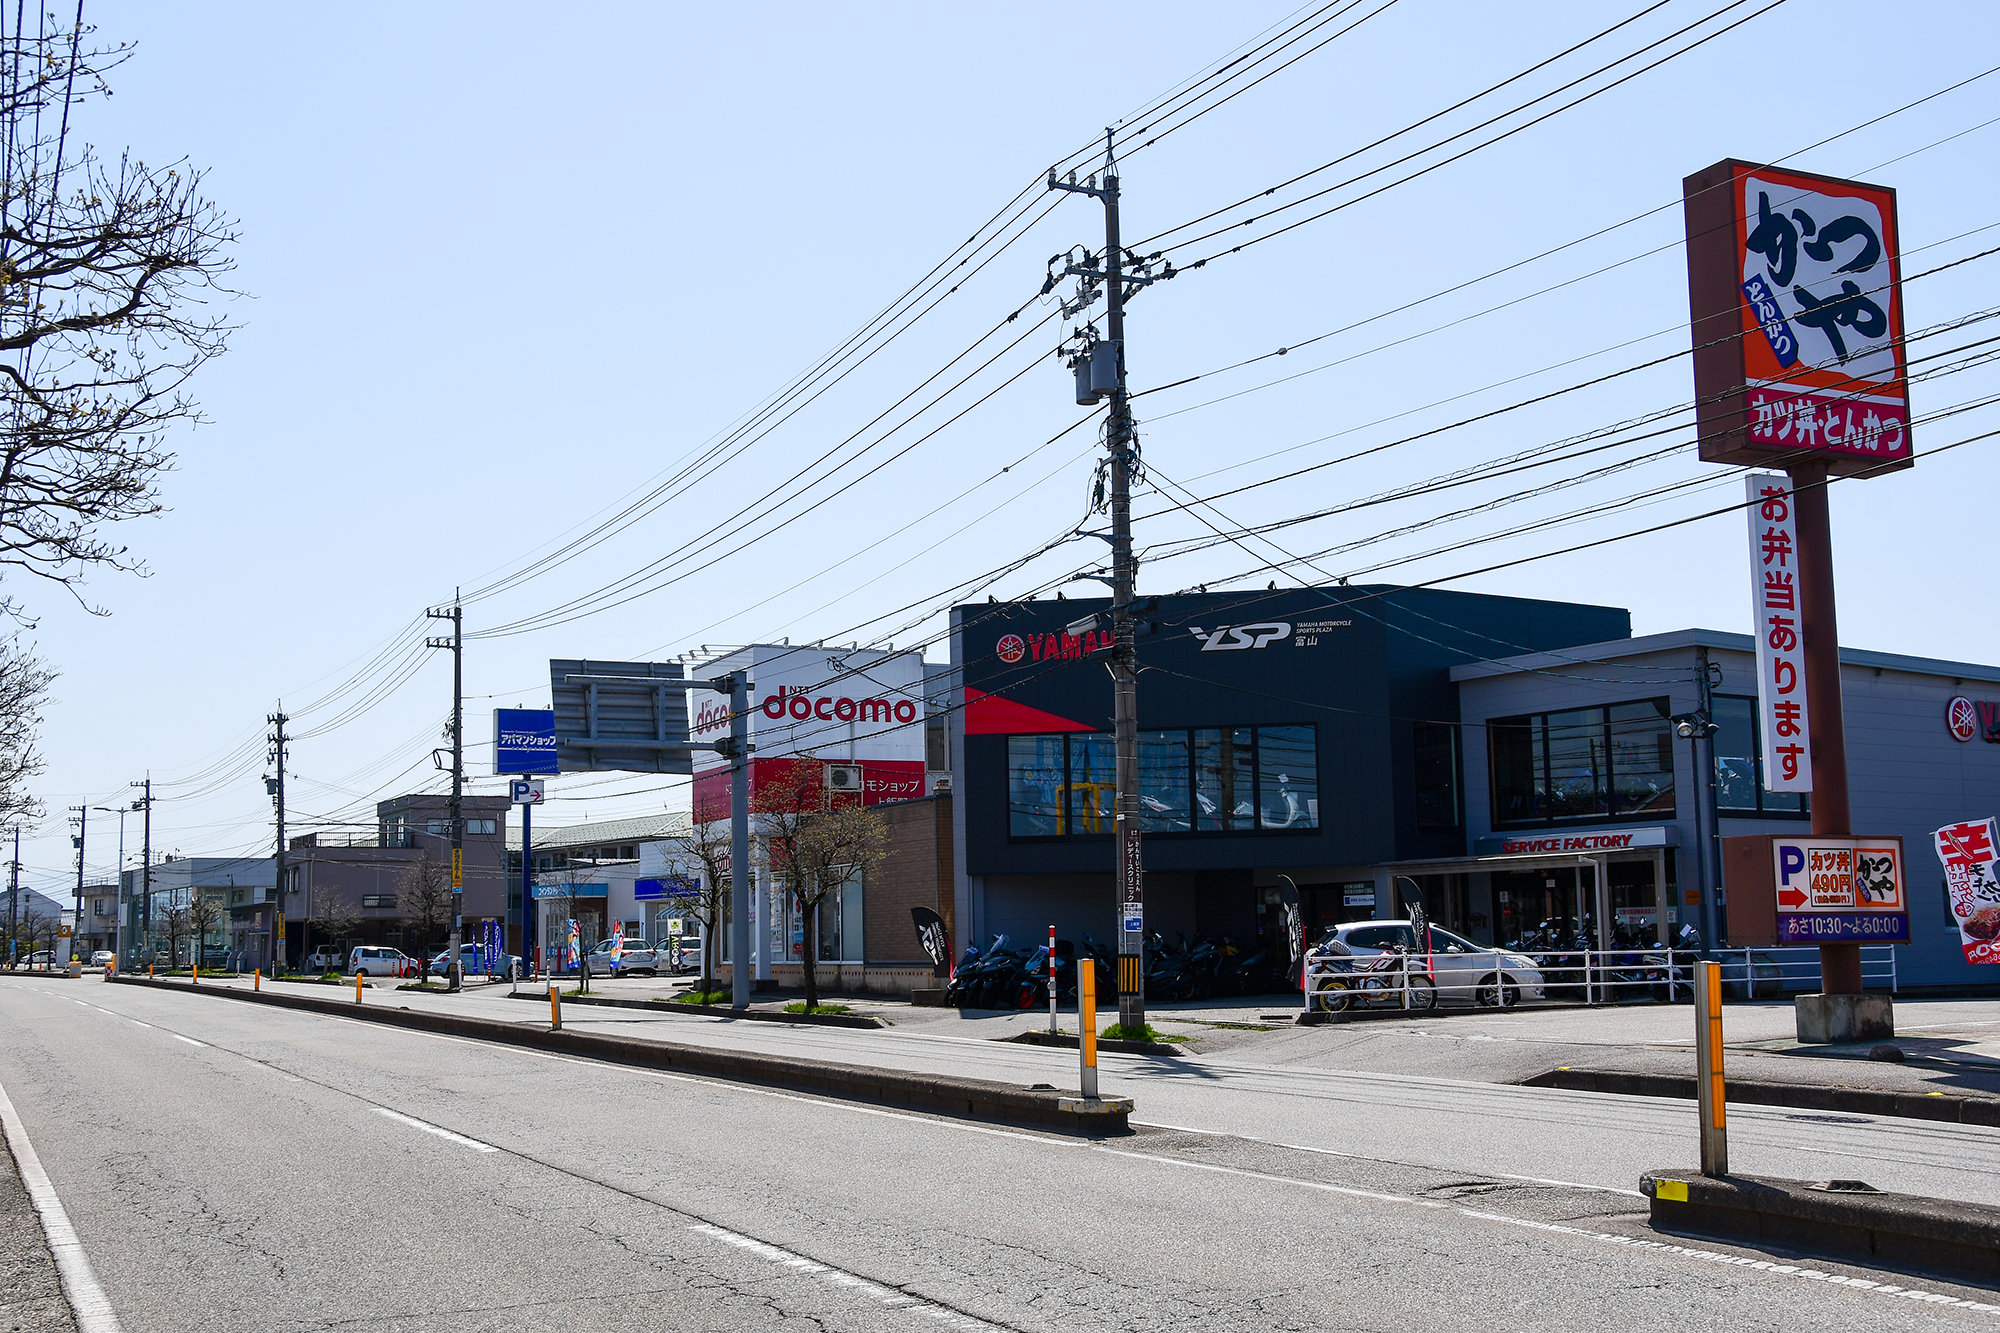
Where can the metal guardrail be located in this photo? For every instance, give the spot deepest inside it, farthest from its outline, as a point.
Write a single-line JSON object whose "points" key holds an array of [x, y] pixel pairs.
{"points": [[1490, 977]]}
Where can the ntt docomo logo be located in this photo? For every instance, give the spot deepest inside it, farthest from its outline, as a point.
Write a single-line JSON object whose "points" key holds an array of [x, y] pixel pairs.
{"points": [[802, 707]]}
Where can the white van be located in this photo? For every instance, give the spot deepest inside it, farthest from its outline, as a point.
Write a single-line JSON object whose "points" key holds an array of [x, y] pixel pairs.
{"points": [[371, 961]]}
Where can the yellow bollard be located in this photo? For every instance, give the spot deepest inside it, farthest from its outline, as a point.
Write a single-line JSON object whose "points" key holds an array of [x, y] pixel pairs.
{"points": [[357, 986], [197, 973], [555, 1008], [1086, 1025], [149, 971], [111, 969], [256, 978]]}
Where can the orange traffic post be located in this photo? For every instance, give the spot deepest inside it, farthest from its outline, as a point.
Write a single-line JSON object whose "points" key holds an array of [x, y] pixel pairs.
{"points": [[197, 973], [149, 971], [555, 1008], [1708, 1069], [357, 986], [1086, 1026], [256, 978]]}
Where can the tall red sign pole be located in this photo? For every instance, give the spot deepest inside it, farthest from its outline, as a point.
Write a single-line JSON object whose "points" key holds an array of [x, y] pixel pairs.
{"points": [[1794, 288]]}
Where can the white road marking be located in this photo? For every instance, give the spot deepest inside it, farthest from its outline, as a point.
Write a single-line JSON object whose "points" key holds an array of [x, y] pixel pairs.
{"points": [[147, 1026], [439, 1130], [86, 1299], [885, 1295], [189, 1040]]}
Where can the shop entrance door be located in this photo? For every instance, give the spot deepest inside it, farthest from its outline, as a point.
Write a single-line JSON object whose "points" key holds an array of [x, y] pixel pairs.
{"points": [[1552, 903]]}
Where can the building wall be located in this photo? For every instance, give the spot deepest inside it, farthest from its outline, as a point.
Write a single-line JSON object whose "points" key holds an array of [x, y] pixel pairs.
{"points": [[916, 873]]}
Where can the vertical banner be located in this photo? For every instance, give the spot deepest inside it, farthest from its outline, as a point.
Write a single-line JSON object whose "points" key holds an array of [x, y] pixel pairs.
{"points": [[1967, 851], [1774, 618], [1131, 892]]}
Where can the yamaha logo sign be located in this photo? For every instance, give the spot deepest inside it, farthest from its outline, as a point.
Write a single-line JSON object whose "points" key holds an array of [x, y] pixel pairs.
{"points": [[1011, 648]]}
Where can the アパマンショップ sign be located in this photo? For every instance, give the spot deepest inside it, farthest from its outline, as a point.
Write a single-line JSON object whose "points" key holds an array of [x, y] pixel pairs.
{"points": [[1794, 286]]}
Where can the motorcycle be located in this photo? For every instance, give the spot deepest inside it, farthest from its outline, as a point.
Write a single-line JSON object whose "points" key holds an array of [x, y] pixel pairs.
{"points": [[1392, 979]]}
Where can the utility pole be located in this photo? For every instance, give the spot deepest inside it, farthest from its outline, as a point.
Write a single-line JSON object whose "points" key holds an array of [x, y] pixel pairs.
{"points": [[278, 740], [146, 873], [1100, 370], [82, 813], [457, 645]]}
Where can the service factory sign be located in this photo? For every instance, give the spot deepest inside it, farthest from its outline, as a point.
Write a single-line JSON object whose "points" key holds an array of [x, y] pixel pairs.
{"points": [[1840, 890], [1794, 285]]}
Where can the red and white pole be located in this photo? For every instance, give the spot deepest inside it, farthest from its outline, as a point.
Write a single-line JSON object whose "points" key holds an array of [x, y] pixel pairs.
{"points": [[1052, 979]]}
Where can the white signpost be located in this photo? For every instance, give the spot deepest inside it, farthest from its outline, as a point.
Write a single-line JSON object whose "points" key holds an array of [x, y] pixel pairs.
{"points": [[525, 791], [1781, 647]]}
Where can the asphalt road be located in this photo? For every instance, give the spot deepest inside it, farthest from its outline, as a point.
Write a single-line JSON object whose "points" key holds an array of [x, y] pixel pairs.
{"points": [[232, 1166]]}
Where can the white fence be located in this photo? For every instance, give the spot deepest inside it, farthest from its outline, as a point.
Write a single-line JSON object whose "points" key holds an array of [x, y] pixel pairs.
{"points": [[1335, 984]]}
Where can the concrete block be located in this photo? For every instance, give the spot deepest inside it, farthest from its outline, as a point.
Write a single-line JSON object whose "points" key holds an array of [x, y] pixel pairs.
{"points": [[1832, 1019]]}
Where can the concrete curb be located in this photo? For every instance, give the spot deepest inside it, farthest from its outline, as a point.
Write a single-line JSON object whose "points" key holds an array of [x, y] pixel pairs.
{"points": [[717, 1011], [1067, 1040], [1799, 1096], [971, 1098], [1900, 1231]]}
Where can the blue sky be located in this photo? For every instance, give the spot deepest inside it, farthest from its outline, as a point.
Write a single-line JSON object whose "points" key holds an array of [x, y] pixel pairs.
{"points": [[508, 267]]}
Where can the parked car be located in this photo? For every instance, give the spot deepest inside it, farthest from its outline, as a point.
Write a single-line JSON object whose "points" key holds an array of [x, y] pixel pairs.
{"points": [[1465, 971], [468, 955], [324, 959], [637, 960], [103, 958], [375, 961], [40, 958]]}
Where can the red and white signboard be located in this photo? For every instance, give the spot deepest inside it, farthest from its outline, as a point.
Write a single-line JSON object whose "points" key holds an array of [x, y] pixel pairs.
{"points": [[1794, 283], [848, 706], [1968, 853], [1781, 649]]}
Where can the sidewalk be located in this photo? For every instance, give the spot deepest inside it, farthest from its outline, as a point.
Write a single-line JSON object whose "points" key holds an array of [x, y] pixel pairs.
{"points": [[1950, 1046]]}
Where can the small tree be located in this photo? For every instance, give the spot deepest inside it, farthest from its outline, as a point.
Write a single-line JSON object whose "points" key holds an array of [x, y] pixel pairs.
{"points": [[203, 914], [816, 846], [338, 917], [175, 923], [570, 897], [425, 893], [30, 930], [704, 849]]}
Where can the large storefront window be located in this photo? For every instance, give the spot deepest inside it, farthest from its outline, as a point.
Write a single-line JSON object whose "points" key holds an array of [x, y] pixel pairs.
{"points": [[1584, 763], [1739, 764], [1211, 780], [1437, 775]]}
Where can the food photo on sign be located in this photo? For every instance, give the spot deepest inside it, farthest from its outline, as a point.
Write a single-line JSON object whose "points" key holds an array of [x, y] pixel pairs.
{"points": [[1968, 850]]}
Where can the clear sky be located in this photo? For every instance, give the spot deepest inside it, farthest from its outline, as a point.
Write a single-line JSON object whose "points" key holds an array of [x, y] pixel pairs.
{"points": [[510, 268]]}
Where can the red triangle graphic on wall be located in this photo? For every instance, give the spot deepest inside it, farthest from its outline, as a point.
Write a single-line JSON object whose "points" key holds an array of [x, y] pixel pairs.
{"points": [[990, 715]]}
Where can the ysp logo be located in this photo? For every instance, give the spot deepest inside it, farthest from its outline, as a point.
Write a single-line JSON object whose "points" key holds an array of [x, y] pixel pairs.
{"points": [[1233, 638]]}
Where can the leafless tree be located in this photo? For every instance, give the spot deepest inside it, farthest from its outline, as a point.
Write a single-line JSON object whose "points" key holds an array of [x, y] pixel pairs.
{"points": [[704, 852], [570, 896], [203, 915], [425, 894], [337, 915], [175, 922], [24, 689], [818, 843], [30, 928]]}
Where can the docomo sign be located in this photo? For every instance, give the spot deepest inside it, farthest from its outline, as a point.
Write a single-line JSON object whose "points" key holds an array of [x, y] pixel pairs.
{"points": [[803, 706], [1794, 281]]}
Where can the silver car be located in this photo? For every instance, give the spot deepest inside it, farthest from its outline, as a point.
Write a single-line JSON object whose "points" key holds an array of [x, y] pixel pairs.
{"points": [[1464, 970]]}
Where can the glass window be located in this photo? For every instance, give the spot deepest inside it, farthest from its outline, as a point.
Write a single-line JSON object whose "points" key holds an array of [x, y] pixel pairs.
{"points": [[1576, 763], [1034, 782], [1437, 775], [1642, 759], [1515, 744], [1224, 779], [1287, 778], [1739, 766], [1163, 782], [1093, 782]]}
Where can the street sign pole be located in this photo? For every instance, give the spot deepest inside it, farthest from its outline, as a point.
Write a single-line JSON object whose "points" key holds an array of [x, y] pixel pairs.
{"points": [[739, 838], [527, 877]]}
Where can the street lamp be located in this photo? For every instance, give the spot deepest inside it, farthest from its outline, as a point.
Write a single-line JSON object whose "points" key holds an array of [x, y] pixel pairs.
{"points": [[118, 932]]}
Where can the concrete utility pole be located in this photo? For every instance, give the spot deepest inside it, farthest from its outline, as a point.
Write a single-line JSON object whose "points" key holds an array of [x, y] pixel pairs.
{"points": [[278, 740], [146, 872], [457, 645], [82, 813], [14, 901], [1100, 370]]}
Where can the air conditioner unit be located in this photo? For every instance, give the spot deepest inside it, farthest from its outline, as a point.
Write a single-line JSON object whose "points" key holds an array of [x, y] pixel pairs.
{"points": [[843, 777]]}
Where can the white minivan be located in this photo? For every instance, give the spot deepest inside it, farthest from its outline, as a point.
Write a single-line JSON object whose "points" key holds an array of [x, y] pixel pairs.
{"points": [[372, 961]]}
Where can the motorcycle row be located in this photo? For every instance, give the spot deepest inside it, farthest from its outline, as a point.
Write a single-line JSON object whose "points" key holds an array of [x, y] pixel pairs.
{"points": [[1005, 975], [1632, 969]]}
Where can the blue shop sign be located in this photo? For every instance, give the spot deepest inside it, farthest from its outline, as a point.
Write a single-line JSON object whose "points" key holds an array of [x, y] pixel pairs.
{"points": [[547, 891]]}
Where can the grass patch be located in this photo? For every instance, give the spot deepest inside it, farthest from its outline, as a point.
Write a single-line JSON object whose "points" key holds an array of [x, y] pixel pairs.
{"points": [[1145, 1032], [700, 997], [799, 1007]]}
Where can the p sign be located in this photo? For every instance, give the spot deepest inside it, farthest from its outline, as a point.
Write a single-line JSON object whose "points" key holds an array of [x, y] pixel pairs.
{"points": [[525, 791], [1840, 890]]}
